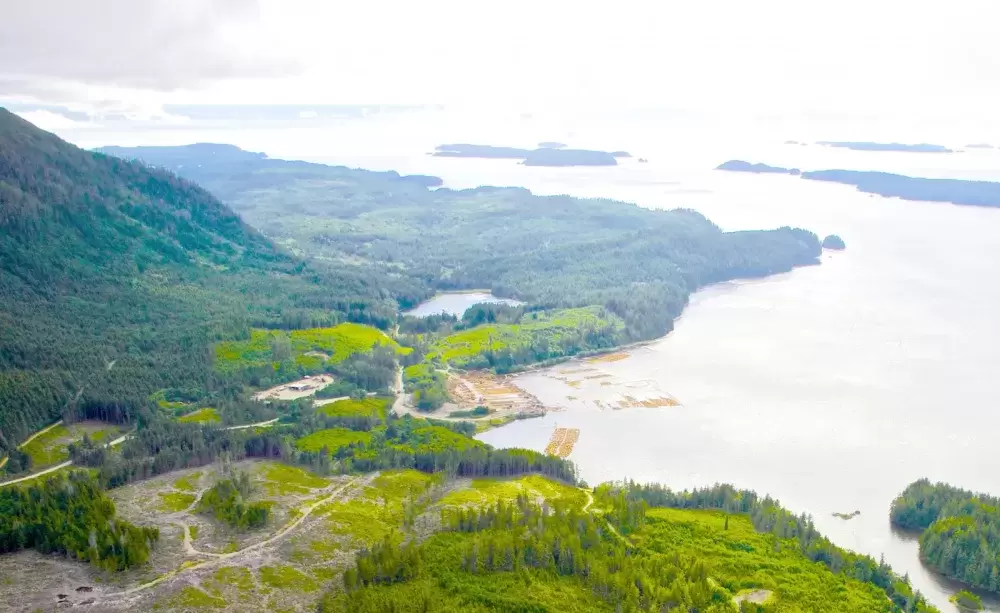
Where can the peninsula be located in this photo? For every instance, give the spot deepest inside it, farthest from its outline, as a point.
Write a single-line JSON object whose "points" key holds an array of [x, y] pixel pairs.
{"points": [[955, 191]]}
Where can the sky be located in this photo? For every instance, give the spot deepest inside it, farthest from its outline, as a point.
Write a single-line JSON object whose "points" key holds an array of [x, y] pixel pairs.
{"points": [[119, 60]]}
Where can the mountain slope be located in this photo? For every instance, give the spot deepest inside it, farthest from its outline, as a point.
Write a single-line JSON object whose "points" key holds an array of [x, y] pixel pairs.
{"points": [[115, 278]]}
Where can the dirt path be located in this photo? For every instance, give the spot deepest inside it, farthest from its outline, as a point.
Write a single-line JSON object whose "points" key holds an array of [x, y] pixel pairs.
{"points": [[48, 470], [259, 424], [590, 500], [287, 529]]}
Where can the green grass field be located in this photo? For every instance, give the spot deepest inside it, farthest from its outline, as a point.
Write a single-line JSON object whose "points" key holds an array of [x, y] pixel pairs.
{"points": [[322, 345], [460, 348], [332, 438], [51, 447], [207, 415], [368, 407]]}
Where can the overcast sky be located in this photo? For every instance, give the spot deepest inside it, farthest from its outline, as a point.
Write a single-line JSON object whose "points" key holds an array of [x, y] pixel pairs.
{"points": [[916, 57]]}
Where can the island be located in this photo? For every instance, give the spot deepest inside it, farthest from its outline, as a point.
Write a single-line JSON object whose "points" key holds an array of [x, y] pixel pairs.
{"points": [[979, 146], [741, 166], [543, 156], [955, 191], [957, 531], [551, 144], [867, 146], [834, 242]]}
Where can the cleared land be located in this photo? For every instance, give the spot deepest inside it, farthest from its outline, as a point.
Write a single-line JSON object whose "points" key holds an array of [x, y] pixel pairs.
{"points": [[302, 388]]}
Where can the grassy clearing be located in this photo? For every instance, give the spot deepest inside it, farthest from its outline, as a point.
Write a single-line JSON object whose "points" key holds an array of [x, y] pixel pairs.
{"points": [[282, 479], [173, 502], [742, 559], [437, 438], [207, 415], [332, 438], [339, 343], [287, 578], [489, 491], [236, 576], [188, 483], [368, 407], [462, 347], [52, 446], [378, 512], [193, 598]]}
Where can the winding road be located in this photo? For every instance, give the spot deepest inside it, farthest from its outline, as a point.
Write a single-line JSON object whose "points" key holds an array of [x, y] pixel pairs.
{"points": [[288, 528]]}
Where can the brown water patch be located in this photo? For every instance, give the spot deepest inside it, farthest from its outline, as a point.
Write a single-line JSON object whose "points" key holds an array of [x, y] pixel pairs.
{"points": [[611, 357]]}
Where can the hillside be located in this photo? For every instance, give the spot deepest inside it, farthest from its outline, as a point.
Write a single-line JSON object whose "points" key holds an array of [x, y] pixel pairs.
{"points": [[116, 278], [550, 251]]}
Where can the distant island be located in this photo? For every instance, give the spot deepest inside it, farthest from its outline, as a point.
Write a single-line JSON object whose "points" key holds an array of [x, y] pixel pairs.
{"points": [[979, 146], [543, 156], [837, 244], [866, 146], [741, 166], [955, 191], [551, 144]]}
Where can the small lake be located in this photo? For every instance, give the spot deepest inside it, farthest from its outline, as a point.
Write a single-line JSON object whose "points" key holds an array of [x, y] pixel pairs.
{"points": [[455, 303]]}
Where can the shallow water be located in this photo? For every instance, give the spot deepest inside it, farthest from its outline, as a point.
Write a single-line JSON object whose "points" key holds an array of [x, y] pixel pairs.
{"points": [[455, 303]]}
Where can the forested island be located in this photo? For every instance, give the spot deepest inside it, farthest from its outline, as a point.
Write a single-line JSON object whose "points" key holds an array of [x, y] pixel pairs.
{"points": [[955, 191], [834, 242], [869, 146], [134, 298], [959, 531], [741, 166], [542, 156]]}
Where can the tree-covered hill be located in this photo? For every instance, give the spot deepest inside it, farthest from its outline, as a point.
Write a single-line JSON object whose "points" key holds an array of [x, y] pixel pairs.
{"points": [[553, 251], [115, 278]]}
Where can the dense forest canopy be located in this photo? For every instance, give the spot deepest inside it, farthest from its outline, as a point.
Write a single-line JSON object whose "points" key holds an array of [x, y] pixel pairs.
{"points": [[553, 251], [115, 278], [960, 530]]}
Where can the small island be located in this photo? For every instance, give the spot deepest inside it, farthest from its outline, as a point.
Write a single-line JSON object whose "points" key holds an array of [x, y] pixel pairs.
{"points": [[867, 146], [979, 146], [967, 601], [741, 166], [543, 156], [846, 516], [551, 144], [837, 244]]}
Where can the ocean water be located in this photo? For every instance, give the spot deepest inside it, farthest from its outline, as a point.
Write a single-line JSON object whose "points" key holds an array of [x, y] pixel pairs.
{"points": [[831, 387]]}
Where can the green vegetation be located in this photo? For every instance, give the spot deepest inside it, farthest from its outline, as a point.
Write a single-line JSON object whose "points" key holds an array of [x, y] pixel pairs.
{"points": [[173, 502], [332, 439], [515, 556], [46, 449], [207, 415], [188, 483], [299, 351], [365, 407], [116, 279], [282, 479], [538, 336], [487, 492], [960, 535], [69, 514], [226, 501], [287, 578], [479, 411], [967, 601], [191, 597]]}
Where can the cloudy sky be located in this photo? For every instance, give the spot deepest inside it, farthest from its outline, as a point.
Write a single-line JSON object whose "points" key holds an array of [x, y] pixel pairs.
{"points": [[114, 58]]}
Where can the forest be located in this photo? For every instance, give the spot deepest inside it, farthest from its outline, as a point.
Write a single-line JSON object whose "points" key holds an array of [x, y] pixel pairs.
{"points": [[71, 515], [959, 530]]}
